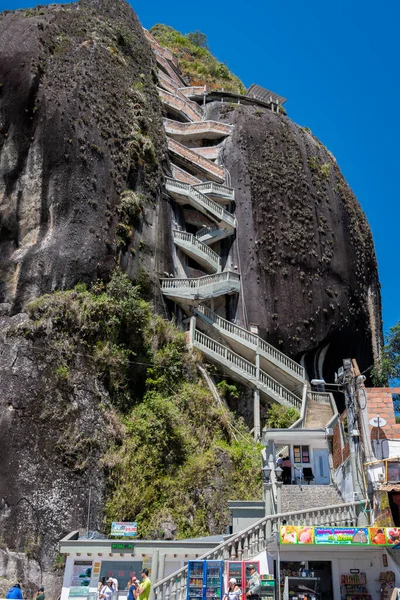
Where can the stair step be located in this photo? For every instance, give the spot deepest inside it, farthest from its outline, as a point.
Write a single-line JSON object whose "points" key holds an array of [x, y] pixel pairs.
{"points": [[309, 496]]}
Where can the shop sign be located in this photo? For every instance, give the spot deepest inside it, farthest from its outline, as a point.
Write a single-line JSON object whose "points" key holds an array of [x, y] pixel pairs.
{"points": [[80, 580], [121, 546], [340, 536], [124, 529]]}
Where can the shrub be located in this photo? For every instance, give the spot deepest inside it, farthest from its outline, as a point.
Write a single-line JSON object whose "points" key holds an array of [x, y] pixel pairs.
{"points": [[281, 417]]}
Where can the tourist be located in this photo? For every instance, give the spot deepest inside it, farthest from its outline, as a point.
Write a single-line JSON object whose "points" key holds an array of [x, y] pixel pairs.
{"points": [[287, 470], [115, 584], [144, 587], [253, 583], [233, 592], [107, 590], [279, 462], [133, 585], [15, 592], [40, 594]]}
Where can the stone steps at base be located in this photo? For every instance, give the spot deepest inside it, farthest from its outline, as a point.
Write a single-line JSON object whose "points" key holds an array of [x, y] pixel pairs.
{"points": [[309, 496]]}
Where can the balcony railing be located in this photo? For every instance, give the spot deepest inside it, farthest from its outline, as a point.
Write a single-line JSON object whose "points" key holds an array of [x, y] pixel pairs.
{"points": [[198, 162], [200, 201], [253, 341], [245, 369], [204, 252]]}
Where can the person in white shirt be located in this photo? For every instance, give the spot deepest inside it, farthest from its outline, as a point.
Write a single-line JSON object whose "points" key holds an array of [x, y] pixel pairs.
{"points": [[107, 590]]}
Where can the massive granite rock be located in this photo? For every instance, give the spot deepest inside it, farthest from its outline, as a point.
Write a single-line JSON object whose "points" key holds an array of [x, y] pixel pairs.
{"points": [[305, 250], [80, 122]]}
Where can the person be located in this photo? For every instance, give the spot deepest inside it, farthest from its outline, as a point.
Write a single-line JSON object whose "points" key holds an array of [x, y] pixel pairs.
{"points": [[233, 592], [15, 592], [287, 470], [279, 461], [107, 590], [133, 591], [100, 586], [144, 587], [40, 594], [253, 583], [115, 584]]}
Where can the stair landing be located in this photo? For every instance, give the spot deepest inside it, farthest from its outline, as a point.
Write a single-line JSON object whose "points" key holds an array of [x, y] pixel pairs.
{"points": [[309, 496], [318, 414]]}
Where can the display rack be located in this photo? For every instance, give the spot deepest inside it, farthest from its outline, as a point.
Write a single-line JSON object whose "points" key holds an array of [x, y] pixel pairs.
{"points": [[354, 587]]}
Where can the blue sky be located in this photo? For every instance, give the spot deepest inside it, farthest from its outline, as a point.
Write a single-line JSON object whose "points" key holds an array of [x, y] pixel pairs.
{"points": [[338, 64]]}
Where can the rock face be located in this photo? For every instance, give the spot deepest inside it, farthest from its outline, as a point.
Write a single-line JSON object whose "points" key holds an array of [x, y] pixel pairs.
{"points": [[80, 122], [306, 254]]}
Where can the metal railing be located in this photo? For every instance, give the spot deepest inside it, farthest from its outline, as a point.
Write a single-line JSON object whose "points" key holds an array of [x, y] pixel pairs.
{"points": [[200, 200], [199, 282], [191, 110], [209, 187], [253, 540], [251, 339], [247, 370], [198, 247], [196, 159]]}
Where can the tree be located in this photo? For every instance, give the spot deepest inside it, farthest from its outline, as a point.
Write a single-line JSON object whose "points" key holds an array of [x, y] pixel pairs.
{"points": [[198, 39], [388, 368], [281, 417]]}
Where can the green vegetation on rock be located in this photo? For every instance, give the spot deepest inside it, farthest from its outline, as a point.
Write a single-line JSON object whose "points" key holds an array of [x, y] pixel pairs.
{"points": [[176, 455], [198, 65], [281, 417]]}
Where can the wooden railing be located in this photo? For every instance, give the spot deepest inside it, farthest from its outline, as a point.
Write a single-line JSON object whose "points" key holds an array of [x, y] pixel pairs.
{"points": [[198, 247], [250, 542], [247, 370], [200, 199], [252, 340]]}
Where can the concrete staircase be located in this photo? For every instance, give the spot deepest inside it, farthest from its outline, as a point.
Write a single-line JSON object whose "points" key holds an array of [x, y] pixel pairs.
{"points": [[305, 497], [318, 414]]}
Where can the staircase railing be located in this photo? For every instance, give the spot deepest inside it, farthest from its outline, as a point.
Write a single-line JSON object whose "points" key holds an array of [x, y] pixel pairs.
{"points": [[193, 113], [253, 340], [200, 282], [189, 239], [251, 541], [185, 189], [203, 163], [217, 189], [246, 369], [197, 127]]}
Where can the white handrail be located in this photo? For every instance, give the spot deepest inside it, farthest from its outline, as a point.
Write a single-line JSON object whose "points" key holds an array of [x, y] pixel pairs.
{"points": [[249, 369], [199, 282], [252, 339], [190, 191], [190, 239], [209, 187]]}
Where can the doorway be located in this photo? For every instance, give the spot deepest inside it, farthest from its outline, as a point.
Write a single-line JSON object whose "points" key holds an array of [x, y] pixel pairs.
{"points": [[323, 570], [321, 467]]}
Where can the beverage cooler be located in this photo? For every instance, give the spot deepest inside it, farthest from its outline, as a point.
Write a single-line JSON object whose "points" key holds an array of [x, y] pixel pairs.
{"points": [[238, 570], [205, 580]]}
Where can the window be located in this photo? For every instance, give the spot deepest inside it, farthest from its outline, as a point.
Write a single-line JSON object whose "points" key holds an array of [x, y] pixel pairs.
{"points": [[301, 454], [393, 471], [396, 406]]}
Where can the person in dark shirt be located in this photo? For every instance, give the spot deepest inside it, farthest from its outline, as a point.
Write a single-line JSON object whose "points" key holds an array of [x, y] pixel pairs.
{"points": [[40, 595]]}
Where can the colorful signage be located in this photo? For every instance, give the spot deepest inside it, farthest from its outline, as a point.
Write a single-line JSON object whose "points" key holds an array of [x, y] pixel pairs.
{"points": [[124, 529], [80, 579], [340, 536], [121, 546]]}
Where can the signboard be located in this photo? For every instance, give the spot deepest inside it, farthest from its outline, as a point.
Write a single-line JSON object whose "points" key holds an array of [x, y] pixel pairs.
{"points": [[340, 536], [80, 579], [124, 529], [121, 546]]}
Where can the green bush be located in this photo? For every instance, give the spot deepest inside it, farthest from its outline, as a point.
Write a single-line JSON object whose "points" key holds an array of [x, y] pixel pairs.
{"points": [[281, 417]]}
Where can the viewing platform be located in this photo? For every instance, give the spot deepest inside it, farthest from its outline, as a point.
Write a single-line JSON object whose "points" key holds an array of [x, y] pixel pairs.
{"points": [[200, 252], [240, 368], [183, 193], [196, 164], [220, 193], [200, 288], [182, 108], [198, 130], [282, 368]]}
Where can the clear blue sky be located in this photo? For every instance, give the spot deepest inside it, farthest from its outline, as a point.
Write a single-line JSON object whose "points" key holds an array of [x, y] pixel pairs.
{"points": [[338, 64]]}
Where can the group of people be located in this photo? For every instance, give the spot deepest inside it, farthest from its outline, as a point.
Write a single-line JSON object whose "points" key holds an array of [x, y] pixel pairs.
{"points": [[286, 466], [15, 593], [234, 592], [136, 589]]}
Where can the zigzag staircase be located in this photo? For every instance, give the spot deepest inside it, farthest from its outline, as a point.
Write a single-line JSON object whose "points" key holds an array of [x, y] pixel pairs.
{"points": [[198, 184]]}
